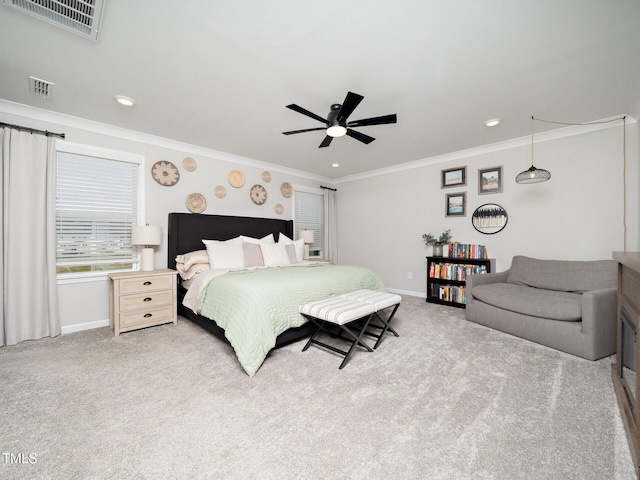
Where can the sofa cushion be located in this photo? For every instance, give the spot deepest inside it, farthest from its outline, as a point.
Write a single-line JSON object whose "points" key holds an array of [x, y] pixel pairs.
{"points": [[536, 302], [563, 275]]}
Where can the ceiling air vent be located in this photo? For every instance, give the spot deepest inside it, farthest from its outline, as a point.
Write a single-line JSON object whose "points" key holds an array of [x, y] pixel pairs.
{"points": [[41, 88], [78, 16]]}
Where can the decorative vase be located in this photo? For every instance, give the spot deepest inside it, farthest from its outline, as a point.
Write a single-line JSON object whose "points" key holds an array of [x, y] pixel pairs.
{"points": [[437, 250]]}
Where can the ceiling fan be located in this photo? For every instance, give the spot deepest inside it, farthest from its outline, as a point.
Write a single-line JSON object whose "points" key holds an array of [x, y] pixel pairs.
{"points": [[336, 124]]}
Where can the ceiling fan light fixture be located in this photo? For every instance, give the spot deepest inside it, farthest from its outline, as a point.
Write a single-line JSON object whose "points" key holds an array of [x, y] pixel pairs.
{"points": [[336, 131]]}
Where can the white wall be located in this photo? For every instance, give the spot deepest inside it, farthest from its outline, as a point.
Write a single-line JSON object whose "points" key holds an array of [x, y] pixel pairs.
{"points": [[577, 214], [86, 303]]}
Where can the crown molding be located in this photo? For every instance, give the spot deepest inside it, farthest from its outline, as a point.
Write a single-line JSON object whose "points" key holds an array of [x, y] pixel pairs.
{"points": [[145, 138], [547, 136], [70, 121]]}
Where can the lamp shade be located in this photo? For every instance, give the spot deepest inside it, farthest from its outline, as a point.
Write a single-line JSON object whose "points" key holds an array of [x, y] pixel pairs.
{"points": [[146, 235], [533, 175], [307, 235]]}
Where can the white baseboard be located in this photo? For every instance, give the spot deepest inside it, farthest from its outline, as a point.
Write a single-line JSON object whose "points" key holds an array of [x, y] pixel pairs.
{"points": [[408, 292], [78, 327]]}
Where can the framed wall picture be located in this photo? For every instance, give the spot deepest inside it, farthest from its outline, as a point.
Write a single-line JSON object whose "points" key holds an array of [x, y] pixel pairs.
{"points": [[456, 204], [454, 177], [490, 180]]}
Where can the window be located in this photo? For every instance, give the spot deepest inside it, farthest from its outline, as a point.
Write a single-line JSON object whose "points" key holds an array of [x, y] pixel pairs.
{"points": [[309, 215], [98, 199]]}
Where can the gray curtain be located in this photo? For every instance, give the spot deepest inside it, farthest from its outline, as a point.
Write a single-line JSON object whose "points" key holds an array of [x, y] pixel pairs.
{"points": [[27, 237], [330, 226]]}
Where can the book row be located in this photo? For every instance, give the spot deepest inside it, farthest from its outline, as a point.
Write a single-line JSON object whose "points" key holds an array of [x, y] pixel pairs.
{"points": [[449, 293], [451, 271], [467, 250]]}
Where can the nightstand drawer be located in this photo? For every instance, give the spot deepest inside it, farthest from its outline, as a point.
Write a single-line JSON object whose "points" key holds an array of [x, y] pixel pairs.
{"points": [[150, 316], [146, 284], [146, 300]]}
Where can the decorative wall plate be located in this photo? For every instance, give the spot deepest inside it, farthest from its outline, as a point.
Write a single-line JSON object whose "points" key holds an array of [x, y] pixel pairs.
{"points": [[196, 203], [278, 209], [286, 189], [220, 191], [258, 194], [189, 164], [266, 177], [165, 173], [236, 178]]}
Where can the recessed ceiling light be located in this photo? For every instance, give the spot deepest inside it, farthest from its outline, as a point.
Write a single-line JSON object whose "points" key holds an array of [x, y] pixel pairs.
{"points": [[335, 165], [493, 122], [126, 101]]}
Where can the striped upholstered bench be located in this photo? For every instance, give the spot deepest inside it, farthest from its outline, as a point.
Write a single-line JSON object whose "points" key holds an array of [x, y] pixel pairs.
{"points": [[380, 301], [352, 314], [340, 312]]}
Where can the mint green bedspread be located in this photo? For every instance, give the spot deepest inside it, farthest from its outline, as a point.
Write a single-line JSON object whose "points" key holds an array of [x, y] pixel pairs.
{"points": [[255, 306]]}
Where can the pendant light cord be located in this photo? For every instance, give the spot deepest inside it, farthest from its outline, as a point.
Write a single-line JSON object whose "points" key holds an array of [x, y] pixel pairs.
{"points": [[624, 161]]}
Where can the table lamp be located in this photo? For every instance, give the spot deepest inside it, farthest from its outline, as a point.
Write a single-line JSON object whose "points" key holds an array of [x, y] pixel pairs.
{"points": [[309, 237], [147, 236]]}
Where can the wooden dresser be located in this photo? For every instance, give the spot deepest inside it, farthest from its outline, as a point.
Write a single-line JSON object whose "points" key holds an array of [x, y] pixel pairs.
{"points": [[142, 299], [627, 354]]}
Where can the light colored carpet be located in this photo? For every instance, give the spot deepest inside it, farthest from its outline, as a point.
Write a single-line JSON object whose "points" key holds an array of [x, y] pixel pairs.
{"points": [[447, 400]]}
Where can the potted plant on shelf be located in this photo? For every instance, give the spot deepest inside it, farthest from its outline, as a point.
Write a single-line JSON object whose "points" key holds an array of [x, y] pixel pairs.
{"points": [[437, 242]]}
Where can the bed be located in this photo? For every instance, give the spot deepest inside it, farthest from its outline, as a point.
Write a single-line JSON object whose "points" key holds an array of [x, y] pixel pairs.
{"points": [[233, 304]]}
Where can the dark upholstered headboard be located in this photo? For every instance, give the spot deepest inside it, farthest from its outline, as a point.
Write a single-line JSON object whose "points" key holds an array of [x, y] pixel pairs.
{"points": [[186, 230]]}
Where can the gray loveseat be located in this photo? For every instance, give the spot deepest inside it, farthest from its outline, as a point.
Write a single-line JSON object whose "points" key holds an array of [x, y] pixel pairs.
{"points": [[566, 305]]}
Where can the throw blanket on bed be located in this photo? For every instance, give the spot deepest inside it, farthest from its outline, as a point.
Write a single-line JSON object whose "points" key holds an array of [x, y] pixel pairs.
{"points": [[255, 306]]}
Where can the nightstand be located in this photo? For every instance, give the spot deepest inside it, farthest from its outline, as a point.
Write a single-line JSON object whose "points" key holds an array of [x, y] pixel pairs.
{"points": [[142, 299]]}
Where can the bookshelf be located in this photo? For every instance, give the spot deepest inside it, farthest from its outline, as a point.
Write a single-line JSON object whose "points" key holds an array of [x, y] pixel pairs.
{"points": [[446, 278]]}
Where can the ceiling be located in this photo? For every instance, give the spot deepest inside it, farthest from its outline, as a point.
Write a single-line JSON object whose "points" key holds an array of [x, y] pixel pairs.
{"points": [[219, 74]]}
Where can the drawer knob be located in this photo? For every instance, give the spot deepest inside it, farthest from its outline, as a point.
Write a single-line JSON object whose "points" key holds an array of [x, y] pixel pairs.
{"points": [[147, 315], [148, 299], [147, 283]]}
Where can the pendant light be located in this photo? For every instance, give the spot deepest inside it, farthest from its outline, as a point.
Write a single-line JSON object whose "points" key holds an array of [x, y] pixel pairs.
{"points": [[533, 174]]}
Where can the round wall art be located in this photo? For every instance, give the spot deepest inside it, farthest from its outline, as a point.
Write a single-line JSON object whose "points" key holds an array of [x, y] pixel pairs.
{"points": [[258, 194], [236, 178], [489, 218], [165, 173], [189, 164], [266, 177], [286, 189], [279, 209], [196, 203], [220, 191]]}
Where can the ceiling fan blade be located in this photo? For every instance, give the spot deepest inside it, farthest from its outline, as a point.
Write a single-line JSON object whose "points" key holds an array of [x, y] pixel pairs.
{"points": [[305, 130], [326, 142], [306, 112], [360, 136], [384, 119], [351, 101]]}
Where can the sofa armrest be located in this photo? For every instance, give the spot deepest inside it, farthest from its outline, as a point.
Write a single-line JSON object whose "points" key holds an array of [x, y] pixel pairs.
{"points": [[599, 311], [485, 278]]}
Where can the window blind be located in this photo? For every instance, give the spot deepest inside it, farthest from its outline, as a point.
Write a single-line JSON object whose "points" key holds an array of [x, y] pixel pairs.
{"points": [[309, 215], [96, 206]]}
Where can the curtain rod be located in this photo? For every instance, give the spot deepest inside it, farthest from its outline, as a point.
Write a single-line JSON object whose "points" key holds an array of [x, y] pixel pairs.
{"points": [[32, 130], [328, 188]]}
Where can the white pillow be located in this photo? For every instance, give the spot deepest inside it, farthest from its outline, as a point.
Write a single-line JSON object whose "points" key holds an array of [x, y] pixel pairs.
{"points": [[298, 244], [274, 255], [268, 239], [227, 254]]}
